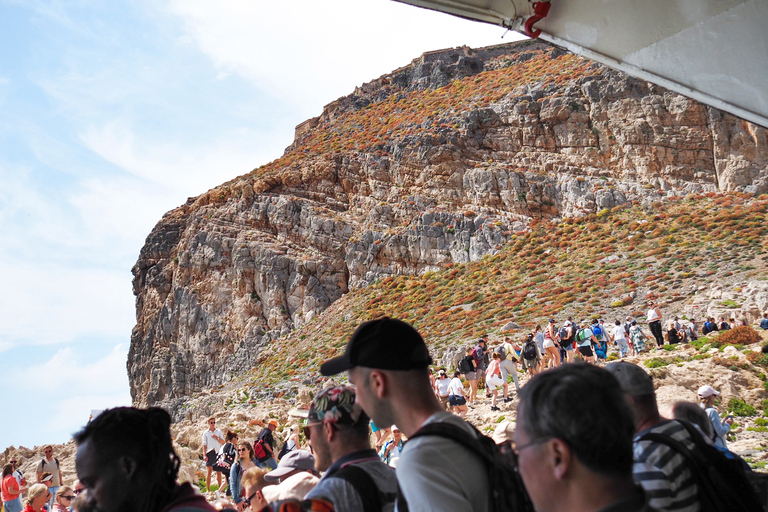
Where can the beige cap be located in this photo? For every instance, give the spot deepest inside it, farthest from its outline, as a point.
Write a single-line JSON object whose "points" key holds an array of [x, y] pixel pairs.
{"points": [[504, 431]]}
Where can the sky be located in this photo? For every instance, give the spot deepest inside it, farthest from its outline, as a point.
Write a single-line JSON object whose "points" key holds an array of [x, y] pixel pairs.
{"points": [[113, 113]]}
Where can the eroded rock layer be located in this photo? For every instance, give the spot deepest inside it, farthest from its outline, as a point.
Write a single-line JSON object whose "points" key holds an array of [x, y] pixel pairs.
{"points": [[439, 162]]}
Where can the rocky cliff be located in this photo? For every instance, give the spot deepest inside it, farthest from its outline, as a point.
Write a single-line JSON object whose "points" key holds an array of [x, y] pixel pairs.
{"points": [[440, 162]]}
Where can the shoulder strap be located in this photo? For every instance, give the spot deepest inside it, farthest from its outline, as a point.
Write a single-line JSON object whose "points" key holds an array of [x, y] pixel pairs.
{"points": [[373, 499], [454, 433]]}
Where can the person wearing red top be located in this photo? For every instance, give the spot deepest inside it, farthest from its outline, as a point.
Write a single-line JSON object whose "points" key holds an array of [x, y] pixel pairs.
{"points": [[37, 498], [11, 492], [126, 461]]}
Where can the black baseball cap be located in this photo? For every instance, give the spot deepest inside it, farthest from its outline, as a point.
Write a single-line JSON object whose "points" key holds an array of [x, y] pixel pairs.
{"points": [[384, 344]]}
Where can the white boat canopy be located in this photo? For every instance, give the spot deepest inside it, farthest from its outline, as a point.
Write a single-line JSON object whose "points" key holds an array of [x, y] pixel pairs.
{"points": [[715, 51]]}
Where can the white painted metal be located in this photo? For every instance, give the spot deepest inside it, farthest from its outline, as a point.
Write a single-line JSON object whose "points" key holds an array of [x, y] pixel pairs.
{"points": [[715, 51]]}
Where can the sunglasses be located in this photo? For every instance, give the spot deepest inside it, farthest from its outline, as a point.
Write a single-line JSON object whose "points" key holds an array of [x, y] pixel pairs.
{"points": [[248, 500], [242, 449], [307, 431], [78, 491], [67, 497]]}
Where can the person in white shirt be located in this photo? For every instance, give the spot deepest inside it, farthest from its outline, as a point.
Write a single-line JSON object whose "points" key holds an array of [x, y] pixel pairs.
{"points": [[390, 452], [456, 397], [387, 361], [620, 339], [654, 323], [213, 438], [441, 389]]}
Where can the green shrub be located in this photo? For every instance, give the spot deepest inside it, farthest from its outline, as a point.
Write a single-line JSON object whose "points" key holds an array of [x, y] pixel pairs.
{"points": [[761, 422], [668, 348], [740, 408]]}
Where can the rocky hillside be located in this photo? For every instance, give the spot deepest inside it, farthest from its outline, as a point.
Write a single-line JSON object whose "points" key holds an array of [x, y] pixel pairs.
{"points": [[445, 162]]}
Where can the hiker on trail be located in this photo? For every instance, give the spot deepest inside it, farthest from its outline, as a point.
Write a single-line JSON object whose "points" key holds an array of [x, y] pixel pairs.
{"points": [[49, 464], [246, 460], [469, 370], [539, 337], [507, 364], [619, 337], [723, 325], [691, 331], [391, 451], [566, 461], [637, 336], [764, 322], [720, 427], [531, 354], [291, 443], [674, 335], [387, 362], [568, 329], [654, 323], [382, 433], [493, 380], [441, 389], [355, 477], [709, 326], [213, 438], [264, 446], [456, 397], [551, 344], [584, 338], [17, 473], [11, 490], [481, 360], [226, 457], [125, 459], [664, 474], [600, 330]]}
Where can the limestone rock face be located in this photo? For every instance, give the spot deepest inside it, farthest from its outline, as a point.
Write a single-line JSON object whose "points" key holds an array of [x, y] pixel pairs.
{"points": [[242, 264]]}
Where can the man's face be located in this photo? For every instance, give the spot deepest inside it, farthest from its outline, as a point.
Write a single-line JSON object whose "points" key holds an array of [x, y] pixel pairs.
{"points": [[532, 468], [319, 445], [211, 425], [108, 487], [375, 408], [48, 453]]}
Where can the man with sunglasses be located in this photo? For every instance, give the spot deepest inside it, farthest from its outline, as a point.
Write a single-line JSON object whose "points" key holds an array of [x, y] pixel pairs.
{"points": [[355, 479], [573, 442], [388, 363], [213, 438], [49, 464]]}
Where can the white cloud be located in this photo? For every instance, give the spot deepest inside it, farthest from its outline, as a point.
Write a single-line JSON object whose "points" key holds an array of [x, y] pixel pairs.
{"points": [[45, 304], [310, 52], [72, 385]]}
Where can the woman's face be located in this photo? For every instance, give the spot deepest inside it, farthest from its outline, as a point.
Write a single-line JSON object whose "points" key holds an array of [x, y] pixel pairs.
{"points": [[41, 500], [243, 451]]}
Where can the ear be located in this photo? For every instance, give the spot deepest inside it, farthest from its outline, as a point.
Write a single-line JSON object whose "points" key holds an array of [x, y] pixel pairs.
{"points": [[562, 458], [329, 432], [128, 467], [379, 383]]}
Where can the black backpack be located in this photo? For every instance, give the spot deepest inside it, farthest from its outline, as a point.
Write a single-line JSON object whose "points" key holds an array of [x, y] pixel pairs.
{"points": [[529, 350], [723, 483], [283, 449], [507, 492], [373, 499], [464, 365]]}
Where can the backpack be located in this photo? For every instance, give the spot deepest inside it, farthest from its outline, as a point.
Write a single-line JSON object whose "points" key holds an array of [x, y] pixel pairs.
{"points": [[500, 350], [226, 457], [597, 331], [563, 333], [580, 336], [529, 350], [259, 451], [464, 365], [507, 492], [283, 449], [478, 354], [373, 499], [722, 482]]}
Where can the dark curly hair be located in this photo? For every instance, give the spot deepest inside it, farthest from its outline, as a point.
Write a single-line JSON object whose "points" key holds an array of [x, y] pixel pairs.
{"points": [[145, 436]]}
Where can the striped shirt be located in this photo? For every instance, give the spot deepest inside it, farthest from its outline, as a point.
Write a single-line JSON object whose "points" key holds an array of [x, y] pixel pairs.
{"points": [[663, 473]]}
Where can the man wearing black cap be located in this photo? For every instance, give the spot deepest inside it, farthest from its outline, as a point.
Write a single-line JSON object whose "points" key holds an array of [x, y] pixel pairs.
{"points": [[387, 361]]}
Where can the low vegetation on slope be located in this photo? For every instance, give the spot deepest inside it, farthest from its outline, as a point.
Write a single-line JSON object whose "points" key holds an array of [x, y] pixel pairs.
{"points": [[606, 264]]}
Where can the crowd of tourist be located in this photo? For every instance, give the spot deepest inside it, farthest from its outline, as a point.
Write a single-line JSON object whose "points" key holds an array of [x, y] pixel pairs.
{"points": [[588, 437]]}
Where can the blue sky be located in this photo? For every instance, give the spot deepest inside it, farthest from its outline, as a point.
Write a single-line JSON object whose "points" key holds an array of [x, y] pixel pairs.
{"points": [[111, 114]]}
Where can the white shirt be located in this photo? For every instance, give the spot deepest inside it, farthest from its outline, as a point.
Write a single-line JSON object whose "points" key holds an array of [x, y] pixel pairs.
{"points": [[442, 386], [619, 333], [653, 315], [209, 442], [435, 473], [455, 387]]}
